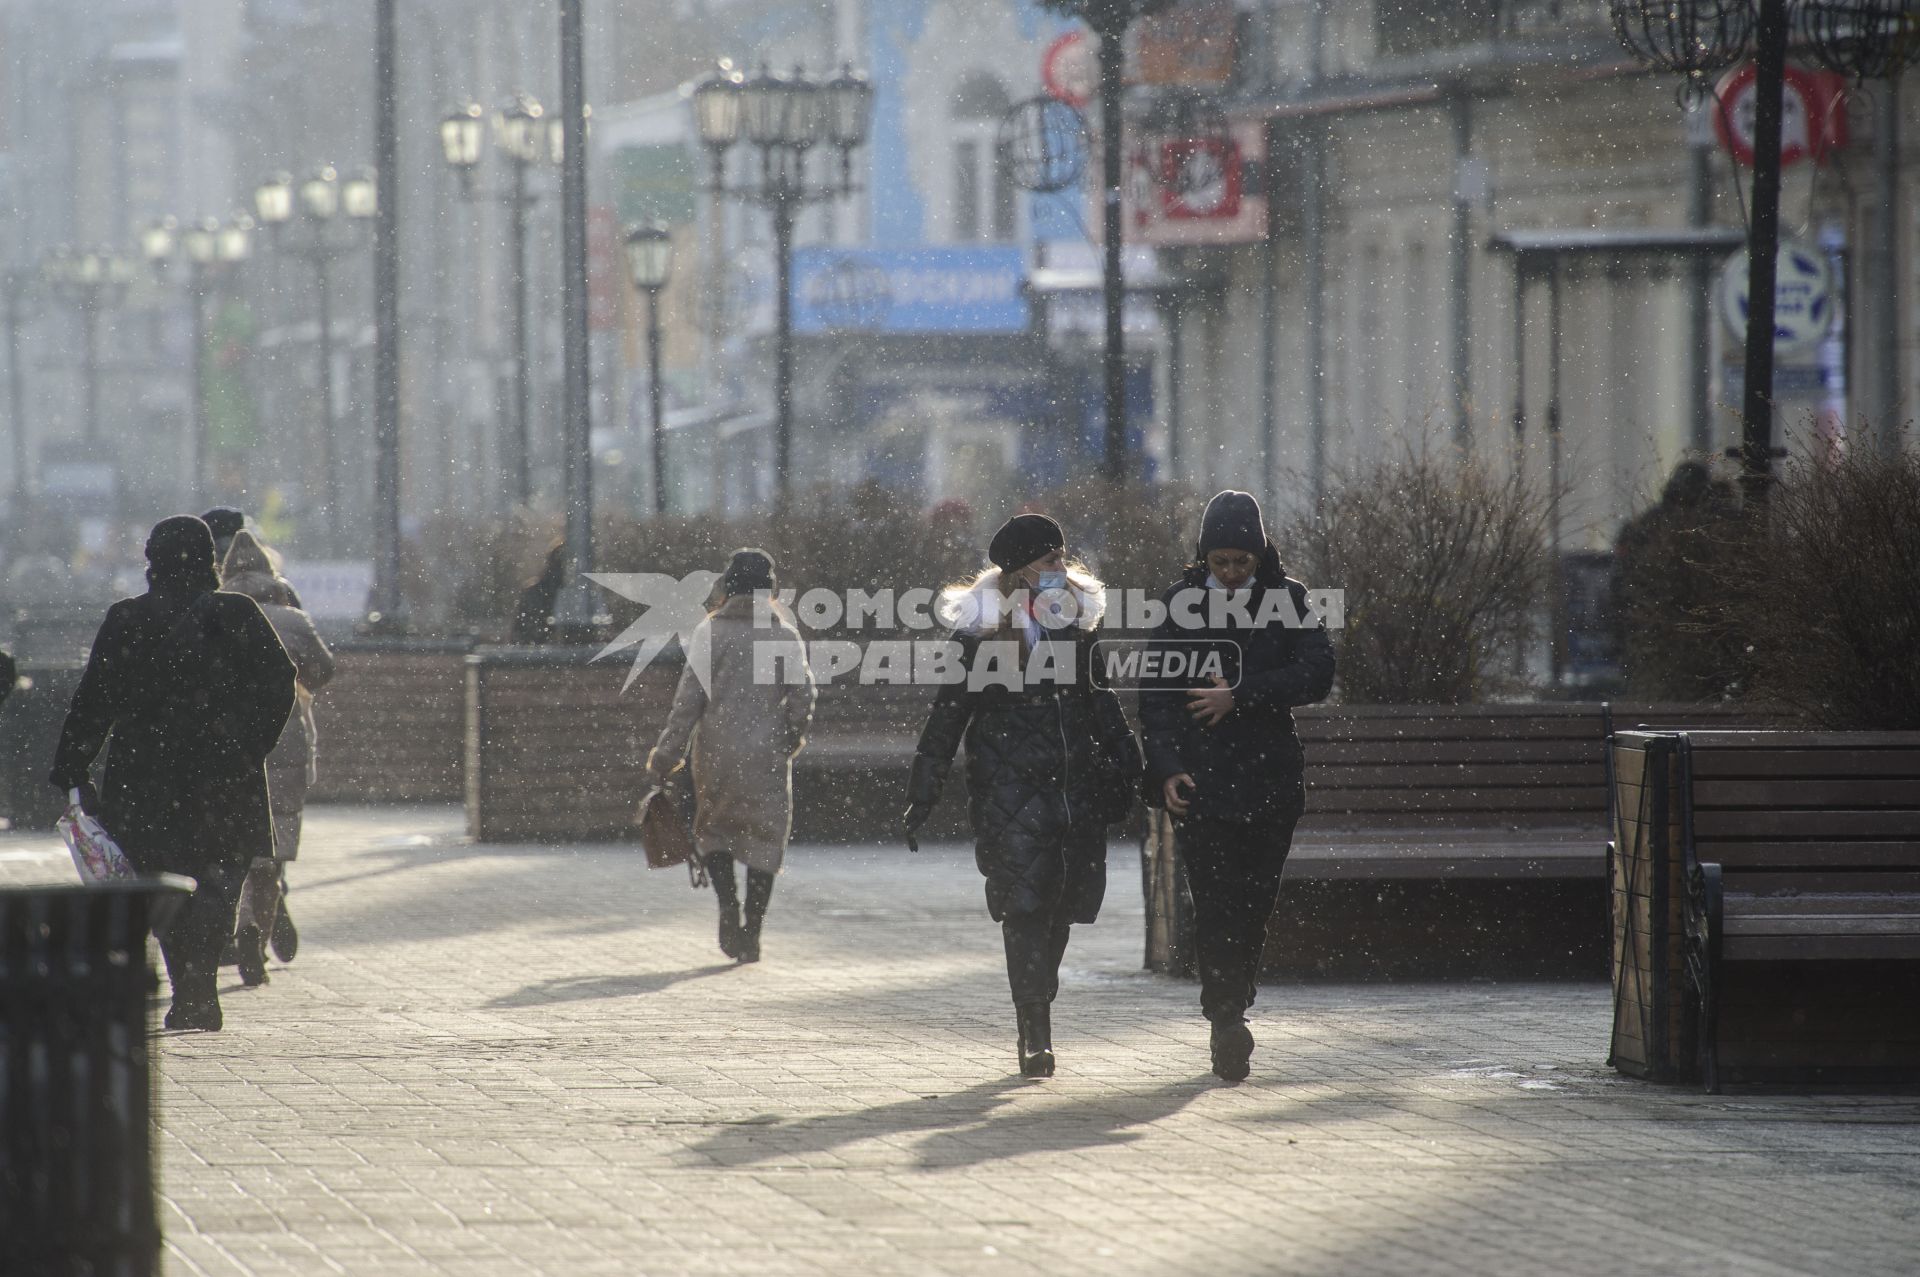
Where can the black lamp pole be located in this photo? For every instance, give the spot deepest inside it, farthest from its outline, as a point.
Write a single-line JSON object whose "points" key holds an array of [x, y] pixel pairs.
{"points": [[1763, 244], [1109, 21], [785, 119], [88, 283], [329, 450], [1112, 36], [520, 468], [16, 286], [521, 136], [90, 410], [578, 613], [783, 214], [386, 611], [655, 403], [649, 265]]}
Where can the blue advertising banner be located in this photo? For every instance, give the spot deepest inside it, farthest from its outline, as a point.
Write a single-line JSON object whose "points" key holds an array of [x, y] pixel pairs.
{"points": [[971, 289]]}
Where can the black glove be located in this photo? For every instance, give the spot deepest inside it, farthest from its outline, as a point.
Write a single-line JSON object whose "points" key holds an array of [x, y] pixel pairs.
{"points": [[89, 797], [924, 783], [911, 819]]}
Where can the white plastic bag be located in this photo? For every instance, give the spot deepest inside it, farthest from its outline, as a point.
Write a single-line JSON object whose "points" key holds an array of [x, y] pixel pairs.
{"points": [[95, 854]]}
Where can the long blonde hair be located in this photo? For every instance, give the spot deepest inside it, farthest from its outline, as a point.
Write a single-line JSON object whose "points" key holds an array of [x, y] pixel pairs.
{"points": [[961, 604]]}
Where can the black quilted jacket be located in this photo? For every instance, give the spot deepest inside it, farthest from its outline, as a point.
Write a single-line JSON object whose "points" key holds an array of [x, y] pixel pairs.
{"points": [[1249, 765], [1048, 768]]}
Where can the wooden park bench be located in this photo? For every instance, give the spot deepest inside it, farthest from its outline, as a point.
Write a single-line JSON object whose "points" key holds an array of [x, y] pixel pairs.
{"points": [[850, 782], [1440, 842], [1769, 927]]}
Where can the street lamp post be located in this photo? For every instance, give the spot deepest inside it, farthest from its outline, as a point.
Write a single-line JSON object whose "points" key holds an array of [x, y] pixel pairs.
{"points": [[16, 283], [784, 119], [1109, 21], [88, 283], [650, 263], [212, 251], [524, 136], [320, 201], [1698, 38], [578, 614]]}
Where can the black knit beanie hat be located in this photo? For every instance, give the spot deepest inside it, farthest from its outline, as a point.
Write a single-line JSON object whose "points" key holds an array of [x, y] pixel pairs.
{"points": [[1232, 522], [224, 522], [1022, 539], [180, 551], [748, 570]]}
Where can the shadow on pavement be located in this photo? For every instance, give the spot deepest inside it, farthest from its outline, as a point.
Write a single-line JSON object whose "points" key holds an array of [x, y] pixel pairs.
{"points": [[582, 988], [963, 1128]]}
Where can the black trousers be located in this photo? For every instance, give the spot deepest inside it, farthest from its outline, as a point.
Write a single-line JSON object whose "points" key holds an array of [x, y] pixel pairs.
{"points": [[1233, 871], [192, 942], [1059, 885], [727, 887], [1035, 943]]}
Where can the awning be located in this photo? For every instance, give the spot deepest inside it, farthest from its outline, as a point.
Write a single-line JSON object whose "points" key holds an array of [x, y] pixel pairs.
{"points": [[1626, 241]]}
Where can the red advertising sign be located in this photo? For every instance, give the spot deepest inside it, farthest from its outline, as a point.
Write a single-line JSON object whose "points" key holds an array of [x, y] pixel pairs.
{"points": [[1197, 190], [1068, 69], [1813, 119], [1200, 179], [1192, 45]]}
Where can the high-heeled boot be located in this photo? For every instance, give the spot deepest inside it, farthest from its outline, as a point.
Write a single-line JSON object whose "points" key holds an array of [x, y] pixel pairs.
{"points": [[730, 930], [1036, 1039], [759, 894]]}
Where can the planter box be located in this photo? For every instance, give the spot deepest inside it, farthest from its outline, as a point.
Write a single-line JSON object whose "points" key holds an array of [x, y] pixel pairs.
{"points": [[555, 751], [1653, 1020], [392, 723]]}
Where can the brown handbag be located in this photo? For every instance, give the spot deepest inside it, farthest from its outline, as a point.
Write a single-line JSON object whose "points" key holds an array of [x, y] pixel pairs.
{"points": [[665, 818]]}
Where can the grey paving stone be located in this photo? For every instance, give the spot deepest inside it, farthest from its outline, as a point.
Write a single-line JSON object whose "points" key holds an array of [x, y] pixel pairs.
{"points": [[508, 1060]]}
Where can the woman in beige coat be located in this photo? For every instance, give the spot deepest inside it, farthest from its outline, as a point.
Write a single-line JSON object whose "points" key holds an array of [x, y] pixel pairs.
{"points": [[250, 568], [743, 725]]}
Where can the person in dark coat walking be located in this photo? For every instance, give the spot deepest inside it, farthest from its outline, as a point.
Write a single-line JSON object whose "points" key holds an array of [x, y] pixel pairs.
{"points": [[1222, 752], [192, 687], [533, 611], [226, 523], [1051, 760]]}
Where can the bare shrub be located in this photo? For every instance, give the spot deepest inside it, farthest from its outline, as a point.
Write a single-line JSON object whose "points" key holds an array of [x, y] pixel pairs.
{"points": [[1670, 589], [1135, 536], [1823, 588], [1445, 567]]}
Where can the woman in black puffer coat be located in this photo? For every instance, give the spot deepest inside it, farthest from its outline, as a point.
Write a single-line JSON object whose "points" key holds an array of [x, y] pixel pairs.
{"points": [[1051, 761], [1223, 755]]}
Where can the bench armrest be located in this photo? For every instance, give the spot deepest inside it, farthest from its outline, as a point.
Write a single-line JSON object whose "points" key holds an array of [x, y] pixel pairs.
{"points": [[1704, 928]]}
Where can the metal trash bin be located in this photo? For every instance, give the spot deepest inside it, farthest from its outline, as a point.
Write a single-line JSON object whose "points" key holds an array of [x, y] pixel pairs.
{"points": [[76, 1157]]}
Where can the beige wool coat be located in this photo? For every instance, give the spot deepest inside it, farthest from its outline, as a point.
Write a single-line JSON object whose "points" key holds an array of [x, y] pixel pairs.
{"points": [[742, 736]]}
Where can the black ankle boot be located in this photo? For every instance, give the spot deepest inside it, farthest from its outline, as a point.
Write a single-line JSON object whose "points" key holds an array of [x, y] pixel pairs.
{"points": [[1232, 1046], [730, 933], [1036, 1039], [750, 939], [252, 948], [196, 1004], [284, 935]]}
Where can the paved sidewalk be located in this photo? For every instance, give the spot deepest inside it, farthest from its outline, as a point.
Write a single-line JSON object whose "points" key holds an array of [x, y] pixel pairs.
{"points": [[507, 1060]]}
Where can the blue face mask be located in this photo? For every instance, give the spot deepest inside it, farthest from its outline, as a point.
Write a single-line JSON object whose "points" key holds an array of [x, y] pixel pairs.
{"points": [[1050, 581]]}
